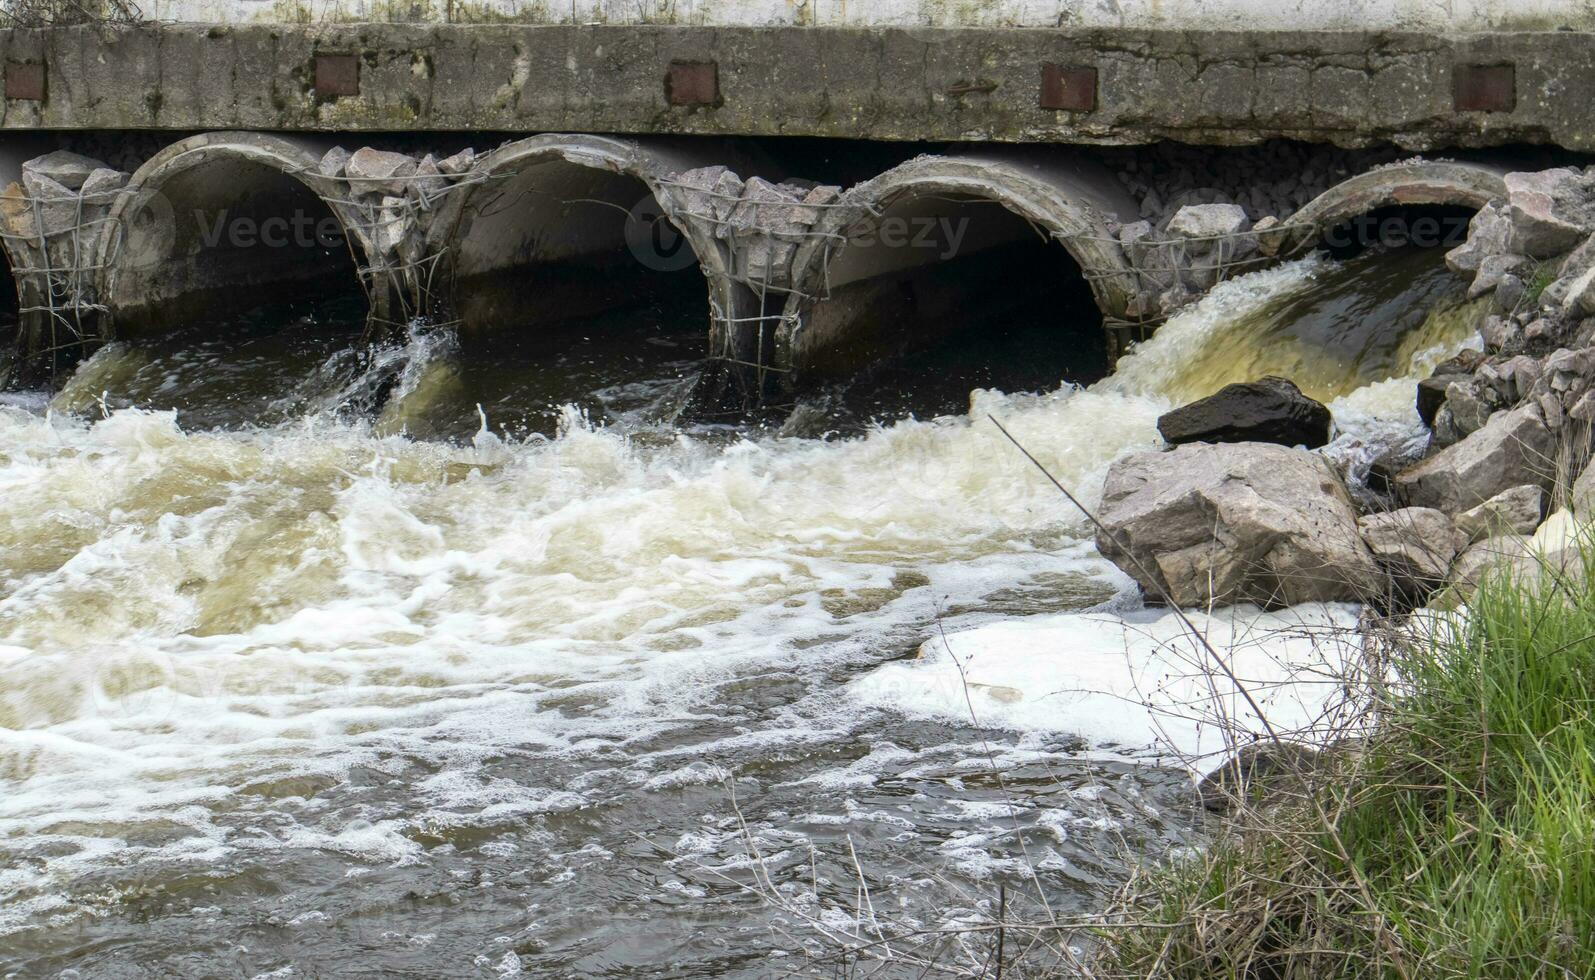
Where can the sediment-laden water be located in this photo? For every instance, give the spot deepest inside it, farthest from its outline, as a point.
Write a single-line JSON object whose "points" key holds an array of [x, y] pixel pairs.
{"points": [[288, 690]]}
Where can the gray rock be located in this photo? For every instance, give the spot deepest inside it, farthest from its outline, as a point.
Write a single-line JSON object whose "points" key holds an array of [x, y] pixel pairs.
{"points": [[1415, 546], [63, 167], [1493, 269], [1488, 233], [1549, 210], [458, 163], [1580, 297], [429, 181], [1269, 241], [333, 162], [1514, 449], [1431, 397], [1515, 511], [1502, 554], [1268, 410], [1543, 330], [1500, 333], [1509, 292], [1471, 404], [1205, 224], [102, 186], [1257, 772], [53, 203], [1240, 522], [378, 171]]}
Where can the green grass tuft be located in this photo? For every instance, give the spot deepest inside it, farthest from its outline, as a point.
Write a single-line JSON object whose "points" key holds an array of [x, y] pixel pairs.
{"points": [[1458, 840]]}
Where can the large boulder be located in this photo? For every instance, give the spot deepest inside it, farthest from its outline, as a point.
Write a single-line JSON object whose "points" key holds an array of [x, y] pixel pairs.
{"points": [[64, 167], [1246, 522], [1513, 449], [1550, 211], [1415, 546], [1271, 410]]}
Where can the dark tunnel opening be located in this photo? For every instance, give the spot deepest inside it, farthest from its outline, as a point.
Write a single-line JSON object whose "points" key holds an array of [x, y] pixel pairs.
{"points": [[942, 295], [571, 287], [1398, 227], [232, 285]]}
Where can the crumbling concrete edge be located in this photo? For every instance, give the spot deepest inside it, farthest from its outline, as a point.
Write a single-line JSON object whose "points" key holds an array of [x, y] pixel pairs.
{"points": [[1419, 91]]}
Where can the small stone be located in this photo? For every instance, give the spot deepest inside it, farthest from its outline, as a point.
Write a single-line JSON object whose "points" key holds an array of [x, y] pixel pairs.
{"points": [[1488, 232], [1269, 242], [1496, 555], [1431, 396], [1471, 402], [1509, 293], [1551, 410], [1500, 334], [333, 162], [1515, 511], [458, 163], [1205, 225], [1492, 270], [1540, 330], [1414, 545]]}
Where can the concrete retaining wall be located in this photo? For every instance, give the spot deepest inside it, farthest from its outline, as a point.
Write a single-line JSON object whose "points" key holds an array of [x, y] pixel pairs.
{"points": [[1417, 90]]}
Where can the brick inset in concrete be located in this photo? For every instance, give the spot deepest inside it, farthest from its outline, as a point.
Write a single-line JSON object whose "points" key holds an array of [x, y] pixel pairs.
{"points": [[1068, 89], [1485, 88], [25, 80], [337, 75], [693, 83]]}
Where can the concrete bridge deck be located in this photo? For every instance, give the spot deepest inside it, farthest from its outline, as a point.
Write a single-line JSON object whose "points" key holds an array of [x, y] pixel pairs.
{"points": [[1107, 85]]}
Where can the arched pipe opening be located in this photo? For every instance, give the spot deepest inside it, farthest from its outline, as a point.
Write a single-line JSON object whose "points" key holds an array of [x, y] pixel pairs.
{"points": [[221, 225], [565, 260], [1414, 204], [959, 273]]}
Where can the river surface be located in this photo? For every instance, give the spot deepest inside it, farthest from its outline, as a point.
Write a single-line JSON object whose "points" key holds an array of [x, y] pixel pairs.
{"points": [[325, 664]]}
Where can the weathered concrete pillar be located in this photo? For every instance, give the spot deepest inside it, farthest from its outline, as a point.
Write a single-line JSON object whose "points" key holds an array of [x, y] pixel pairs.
{"points": [[876, 272], [227, 221], [53, 206]]}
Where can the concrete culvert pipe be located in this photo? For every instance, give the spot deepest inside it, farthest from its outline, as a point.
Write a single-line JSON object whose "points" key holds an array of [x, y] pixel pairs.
{"points": [[1419, 202], [555, 230], [962, 249], [221, 223]]}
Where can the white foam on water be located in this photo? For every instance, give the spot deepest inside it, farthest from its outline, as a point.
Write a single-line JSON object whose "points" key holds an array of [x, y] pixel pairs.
{"points": [[1142, 684]]}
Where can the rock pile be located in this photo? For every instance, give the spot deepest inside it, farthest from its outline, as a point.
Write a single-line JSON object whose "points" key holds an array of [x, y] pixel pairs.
{"points": [[394, 192], [1512, 431], [762, 223]]}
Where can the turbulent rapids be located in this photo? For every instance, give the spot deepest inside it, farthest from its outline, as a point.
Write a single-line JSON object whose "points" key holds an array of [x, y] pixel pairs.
{"points": [[411, 662]]}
